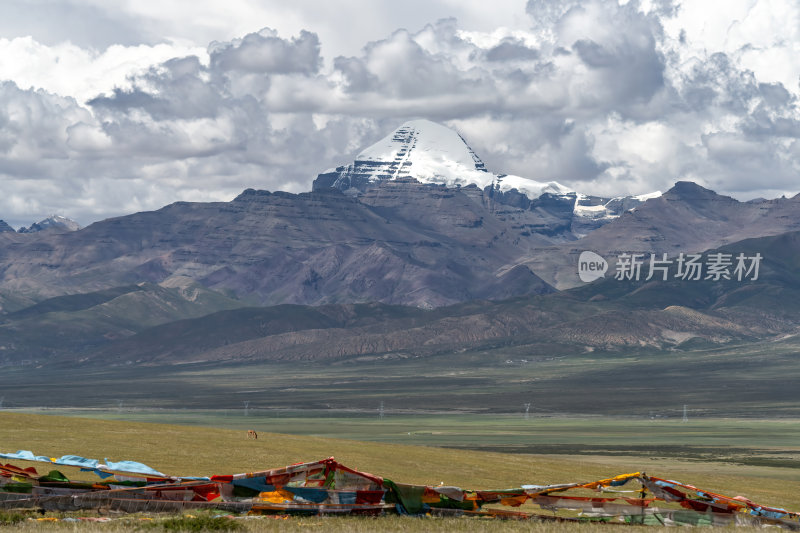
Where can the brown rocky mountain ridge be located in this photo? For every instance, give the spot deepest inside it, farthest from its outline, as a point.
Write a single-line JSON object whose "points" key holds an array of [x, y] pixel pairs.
{"points": [[406, 243], [608, 316], [401, 242], [687, 218], [404, 269]]}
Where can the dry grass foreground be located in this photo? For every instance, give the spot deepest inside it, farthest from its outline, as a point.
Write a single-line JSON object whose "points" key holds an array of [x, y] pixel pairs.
{"points": [[187, 450], [402, 524]]}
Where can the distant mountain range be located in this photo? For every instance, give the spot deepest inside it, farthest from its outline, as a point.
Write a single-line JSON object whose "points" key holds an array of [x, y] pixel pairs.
{"points": [[414, 248], [53, 222], [137, 324], [687, 218]]}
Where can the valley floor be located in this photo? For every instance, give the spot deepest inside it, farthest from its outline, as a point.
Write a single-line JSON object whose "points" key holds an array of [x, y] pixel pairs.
{"points": [[620, 447], [493, 419]]}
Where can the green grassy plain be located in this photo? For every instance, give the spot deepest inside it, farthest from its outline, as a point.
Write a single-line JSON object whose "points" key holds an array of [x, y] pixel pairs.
{"points": [[748, 381], [771, 442], [199, 450], [457, 419]]}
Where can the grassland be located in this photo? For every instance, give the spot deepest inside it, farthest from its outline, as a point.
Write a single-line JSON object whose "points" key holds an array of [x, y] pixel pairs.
{"points": [[340, 525], [752, 380], [196, 450], [739, 441], [458, 418]]}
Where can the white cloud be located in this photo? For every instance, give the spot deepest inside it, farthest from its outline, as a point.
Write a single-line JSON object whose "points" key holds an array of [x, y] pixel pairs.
{"points": [[82, 73], [608, 97], [763, 36]]}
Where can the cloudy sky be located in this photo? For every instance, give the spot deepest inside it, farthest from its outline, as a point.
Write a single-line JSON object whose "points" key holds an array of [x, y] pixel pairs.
{"points": [[110, 107]]}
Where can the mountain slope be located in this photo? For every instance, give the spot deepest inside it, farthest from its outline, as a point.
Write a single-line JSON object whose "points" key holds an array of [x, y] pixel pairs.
{"points": [[773, 297], [609, 315], [691, 218], [77, 324], [688, 218], [271, 248]]}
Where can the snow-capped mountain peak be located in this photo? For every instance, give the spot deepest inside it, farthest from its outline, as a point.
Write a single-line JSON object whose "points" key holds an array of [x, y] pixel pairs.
{"points": [[435, 154], [58, 222], [430, 153]]}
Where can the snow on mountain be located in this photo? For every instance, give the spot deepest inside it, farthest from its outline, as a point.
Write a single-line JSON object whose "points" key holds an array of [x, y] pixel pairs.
{"points": [[56, 222], [591, 211], [588, 206], [530, 188], [429, 153], [433, 153], [647, 196]]}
